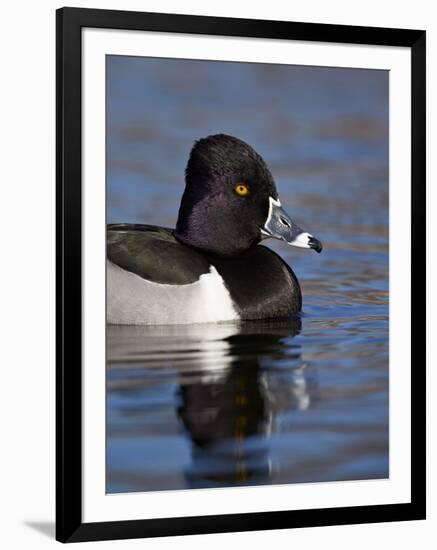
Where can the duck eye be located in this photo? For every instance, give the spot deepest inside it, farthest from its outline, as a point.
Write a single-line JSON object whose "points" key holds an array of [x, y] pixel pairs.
{"points": [[241, 189]]}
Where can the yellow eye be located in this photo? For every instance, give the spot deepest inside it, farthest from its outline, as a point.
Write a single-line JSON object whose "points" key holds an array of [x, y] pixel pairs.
{"points": [[241, 189]]}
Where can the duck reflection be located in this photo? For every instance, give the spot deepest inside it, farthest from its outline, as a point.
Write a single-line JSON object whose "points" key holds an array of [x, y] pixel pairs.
{"points": [[228, 413], [239, 388]]}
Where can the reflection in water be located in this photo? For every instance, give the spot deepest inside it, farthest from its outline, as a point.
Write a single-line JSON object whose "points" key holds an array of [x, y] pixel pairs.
{"points": [[251, 403], [229, 414], [229, 384]]}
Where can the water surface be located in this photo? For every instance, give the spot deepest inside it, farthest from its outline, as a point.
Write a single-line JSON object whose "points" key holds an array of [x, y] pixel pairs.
{"points": [[303, 400]]}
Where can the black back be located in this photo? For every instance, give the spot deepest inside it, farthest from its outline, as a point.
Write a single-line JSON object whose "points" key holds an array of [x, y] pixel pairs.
{"points": [[153, 253]]}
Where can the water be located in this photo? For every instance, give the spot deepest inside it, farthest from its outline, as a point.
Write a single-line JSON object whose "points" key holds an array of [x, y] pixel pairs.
{"points": [[256, 403]]}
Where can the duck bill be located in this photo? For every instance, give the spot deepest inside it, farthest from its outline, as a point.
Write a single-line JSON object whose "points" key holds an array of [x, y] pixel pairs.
{"points": [[279, 225]]}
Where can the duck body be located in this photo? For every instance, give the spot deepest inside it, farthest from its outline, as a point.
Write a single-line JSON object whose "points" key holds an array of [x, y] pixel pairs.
{"points": [[211, 267], [153, 278]]}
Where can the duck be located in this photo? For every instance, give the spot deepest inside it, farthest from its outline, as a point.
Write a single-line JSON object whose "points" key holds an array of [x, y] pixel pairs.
{"points": [[213, 266]]}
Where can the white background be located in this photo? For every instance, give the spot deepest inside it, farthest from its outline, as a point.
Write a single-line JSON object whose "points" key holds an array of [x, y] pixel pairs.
{"points": [[27, 122]]}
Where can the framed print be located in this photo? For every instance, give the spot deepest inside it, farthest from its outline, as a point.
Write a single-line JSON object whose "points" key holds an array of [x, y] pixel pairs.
{"points": [[240, 274]]}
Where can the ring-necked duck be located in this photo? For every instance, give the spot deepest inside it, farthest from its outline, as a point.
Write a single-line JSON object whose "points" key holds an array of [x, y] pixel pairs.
{"points": [[211, 267]]}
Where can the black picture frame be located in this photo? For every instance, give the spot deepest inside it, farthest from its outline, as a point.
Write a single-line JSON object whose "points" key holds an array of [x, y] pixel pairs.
{"points": [[69, 525]]}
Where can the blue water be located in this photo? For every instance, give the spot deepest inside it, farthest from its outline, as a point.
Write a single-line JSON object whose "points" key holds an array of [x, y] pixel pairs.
{"points": [[256, 403]]}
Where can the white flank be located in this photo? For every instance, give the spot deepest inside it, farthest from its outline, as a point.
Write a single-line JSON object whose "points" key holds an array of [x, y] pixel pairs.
{"points": [[132, 300]]}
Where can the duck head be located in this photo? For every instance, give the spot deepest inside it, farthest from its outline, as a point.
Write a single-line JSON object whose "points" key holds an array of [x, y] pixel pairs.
{"points": [[230, 201]]}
